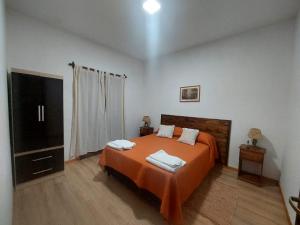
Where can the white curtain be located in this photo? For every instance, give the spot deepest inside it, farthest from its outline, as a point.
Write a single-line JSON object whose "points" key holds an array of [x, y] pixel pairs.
{"points": [[98, 110], [115, 107]]}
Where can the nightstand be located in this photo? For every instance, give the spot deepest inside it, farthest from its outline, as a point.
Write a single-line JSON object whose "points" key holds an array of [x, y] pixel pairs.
{"points": [[253, 154], [146, 131]]}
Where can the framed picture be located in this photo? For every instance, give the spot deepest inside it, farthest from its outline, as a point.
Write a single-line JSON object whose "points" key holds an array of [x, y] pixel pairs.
{"points": [[190, 94]]}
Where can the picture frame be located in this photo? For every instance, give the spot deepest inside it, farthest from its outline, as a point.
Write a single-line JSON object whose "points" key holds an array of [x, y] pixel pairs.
{"points": [[190, 93]]}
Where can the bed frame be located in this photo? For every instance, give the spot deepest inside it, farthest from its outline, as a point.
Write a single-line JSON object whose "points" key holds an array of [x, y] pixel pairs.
{"points": [[220, 129]]}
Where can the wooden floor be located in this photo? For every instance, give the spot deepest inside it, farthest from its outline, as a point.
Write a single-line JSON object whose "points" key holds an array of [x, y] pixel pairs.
{"points": [[84, 195]]}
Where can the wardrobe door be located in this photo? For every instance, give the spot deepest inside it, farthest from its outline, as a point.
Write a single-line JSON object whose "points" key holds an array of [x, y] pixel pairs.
{"points": [[26, 112], [52, 112]]}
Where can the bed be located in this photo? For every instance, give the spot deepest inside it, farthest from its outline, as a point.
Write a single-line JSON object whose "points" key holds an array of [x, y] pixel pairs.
{"points": [[173, 189]]}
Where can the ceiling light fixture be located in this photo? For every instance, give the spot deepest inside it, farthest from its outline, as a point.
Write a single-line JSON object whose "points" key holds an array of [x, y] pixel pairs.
{"points": [[151, 6]]}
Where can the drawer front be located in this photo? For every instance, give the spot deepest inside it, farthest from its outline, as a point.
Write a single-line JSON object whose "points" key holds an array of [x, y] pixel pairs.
{"points": [[146, 131], [252, 156], [36, 165]]}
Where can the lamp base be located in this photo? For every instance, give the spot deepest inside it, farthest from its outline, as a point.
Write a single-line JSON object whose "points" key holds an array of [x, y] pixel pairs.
{"points": [[254, 142]]}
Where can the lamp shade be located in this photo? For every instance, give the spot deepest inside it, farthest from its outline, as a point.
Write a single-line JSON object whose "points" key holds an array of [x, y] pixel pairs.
{"points": [[147, 120], [255, 133]]}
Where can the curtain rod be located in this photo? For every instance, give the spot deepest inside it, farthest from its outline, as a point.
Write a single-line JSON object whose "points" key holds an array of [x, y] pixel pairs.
{"points": [[72, 64]]}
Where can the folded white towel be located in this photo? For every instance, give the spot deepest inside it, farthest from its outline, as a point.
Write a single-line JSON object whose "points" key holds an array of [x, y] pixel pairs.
{"points": [[121, 144], [165, 161], [124, 144], [165, 158], [163, 165], [114, 146]]}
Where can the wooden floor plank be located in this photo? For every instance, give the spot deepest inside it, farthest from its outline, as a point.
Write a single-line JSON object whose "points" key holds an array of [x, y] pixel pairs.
{"points": [[84, 195]]}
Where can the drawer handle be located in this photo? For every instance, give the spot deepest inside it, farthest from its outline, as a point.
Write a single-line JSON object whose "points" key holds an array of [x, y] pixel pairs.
{"points": [[42, 171], [43, 158]]}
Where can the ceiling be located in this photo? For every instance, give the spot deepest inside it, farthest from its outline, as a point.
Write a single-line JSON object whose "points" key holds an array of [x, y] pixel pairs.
{"points": [[125, 27]]}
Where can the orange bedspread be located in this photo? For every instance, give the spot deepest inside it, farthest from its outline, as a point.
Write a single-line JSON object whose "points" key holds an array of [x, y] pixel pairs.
{"points": [[172, 188]]}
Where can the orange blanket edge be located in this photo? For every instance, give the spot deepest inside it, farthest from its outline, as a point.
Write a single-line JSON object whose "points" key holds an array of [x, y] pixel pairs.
{"points": [[170, 188]]}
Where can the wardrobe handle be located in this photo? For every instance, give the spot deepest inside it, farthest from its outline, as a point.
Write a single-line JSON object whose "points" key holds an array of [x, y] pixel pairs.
{"points": [[43, 158], [39, 113], [43, 116], [42, 171], [292, 201]]}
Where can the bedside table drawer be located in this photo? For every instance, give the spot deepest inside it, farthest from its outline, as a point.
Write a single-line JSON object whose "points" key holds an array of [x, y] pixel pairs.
{"points": [[146, 131], [252, 156]]}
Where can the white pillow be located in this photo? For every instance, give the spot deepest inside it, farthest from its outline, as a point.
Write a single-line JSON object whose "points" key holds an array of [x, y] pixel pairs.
{"points": [[189, 136], [166, 131]]}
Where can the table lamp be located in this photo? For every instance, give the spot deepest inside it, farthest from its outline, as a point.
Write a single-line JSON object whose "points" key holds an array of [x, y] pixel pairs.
{"points": [[147, 121], [255, 134]]}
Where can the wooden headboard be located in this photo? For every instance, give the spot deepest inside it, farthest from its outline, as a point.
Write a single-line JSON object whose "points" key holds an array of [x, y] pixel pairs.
{"points": [[220, 129]]}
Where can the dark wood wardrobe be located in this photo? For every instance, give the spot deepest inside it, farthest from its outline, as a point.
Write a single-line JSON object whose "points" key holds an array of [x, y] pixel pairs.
{"points": [[36, 124]]}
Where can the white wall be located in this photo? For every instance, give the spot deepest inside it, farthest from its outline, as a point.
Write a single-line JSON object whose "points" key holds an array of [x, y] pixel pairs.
{"points": [[6, 187], [244, 78], [36, 46], [290, 179]]}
